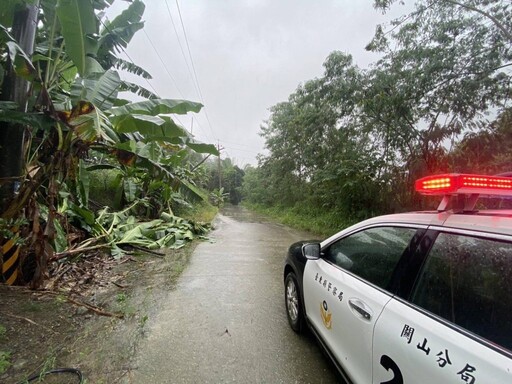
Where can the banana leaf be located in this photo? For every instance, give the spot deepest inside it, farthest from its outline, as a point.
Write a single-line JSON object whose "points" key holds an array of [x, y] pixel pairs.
{"points": [[130, 67], [79, 26], [99, 88], [156, 107], [119, 32], [35, 120]]}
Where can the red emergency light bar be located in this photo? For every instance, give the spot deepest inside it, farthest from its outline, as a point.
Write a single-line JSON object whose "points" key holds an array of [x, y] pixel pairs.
{"points": [[454, 183]]}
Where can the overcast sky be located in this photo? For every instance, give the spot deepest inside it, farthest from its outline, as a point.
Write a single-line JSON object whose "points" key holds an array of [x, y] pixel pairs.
{"points": [[248, 56]]}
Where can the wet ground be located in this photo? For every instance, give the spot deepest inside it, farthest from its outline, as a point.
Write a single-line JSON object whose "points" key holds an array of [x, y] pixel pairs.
{"points": [[225, 321], [41, 330], [212, 312]]}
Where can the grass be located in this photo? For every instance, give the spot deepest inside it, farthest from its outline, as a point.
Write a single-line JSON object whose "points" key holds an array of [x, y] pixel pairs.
{"points": [[125, 305], [121, 297], [4, 356], [4, 361], [47, 365], [202, 212], [321, 224], [31, 306]]}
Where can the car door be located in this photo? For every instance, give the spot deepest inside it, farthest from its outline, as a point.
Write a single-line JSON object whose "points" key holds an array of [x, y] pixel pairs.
{"points": [[455, 326], [345, 292]]}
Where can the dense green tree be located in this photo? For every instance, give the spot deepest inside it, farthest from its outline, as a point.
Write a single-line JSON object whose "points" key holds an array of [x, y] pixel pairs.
{"points": [[355, 140], [486, 151], [224, 175], [323, 152], [444, 69], [255, 186], [233, 179]]}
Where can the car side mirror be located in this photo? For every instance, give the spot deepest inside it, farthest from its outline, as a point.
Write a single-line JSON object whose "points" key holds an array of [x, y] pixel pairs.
{"points": [[311, 251]]}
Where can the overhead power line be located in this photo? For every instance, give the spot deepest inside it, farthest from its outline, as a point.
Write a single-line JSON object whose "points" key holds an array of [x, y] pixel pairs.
{"points": [[194, 68], [163, 63], [240, 146], [181, 47], [189, 52], [193, 74], [243, 150], [127, 55], [193, 77], [175, 117]]}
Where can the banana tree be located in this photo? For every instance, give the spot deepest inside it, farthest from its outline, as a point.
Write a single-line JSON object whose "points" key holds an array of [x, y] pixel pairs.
{"points": [[75, 108]]}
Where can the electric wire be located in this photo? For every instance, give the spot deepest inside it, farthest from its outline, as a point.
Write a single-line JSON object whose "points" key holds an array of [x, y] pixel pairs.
{"points": [[171, 76], [189, 52], [191, 74], [181, 46], [239, 146], [147, 80], [242, 150], [163, 63], [127, 55], [194, 68], [194, 73]]}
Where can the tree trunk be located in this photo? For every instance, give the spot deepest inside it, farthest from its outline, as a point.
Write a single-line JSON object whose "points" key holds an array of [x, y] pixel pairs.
{"points": [[15, 89]]}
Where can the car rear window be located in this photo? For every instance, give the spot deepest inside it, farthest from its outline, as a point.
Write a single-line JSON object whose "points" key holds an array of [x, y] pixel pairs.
{"points": [[468, 281]]}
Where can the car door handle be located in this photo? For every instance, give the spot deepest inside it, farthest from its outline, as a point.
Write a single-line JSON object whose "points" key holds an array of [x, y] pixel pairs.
{"points": [[361, 308]]}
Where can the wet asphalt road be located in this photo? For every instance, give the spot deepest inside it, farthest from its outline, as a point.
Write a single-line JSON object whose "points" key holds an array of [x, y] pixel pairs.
{"points": [[226, 320]]}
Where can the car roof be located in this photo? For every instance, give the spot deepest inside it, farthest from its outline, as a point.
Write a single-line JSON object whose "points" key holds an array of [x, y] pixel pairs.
{"points": [[487, 221], [499, 222]]}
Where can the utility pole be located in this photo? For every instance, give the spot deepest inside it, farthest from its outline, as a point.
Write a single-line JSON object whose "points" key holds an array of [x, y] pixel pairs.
{"points": [[219, 166], [15, 88], [12, 136]]}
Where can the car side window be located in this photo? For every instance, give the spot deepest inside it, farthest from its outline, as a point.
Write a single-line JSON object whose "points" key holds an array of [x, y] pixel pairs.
{"points": [[371, 254], [468, 281]]}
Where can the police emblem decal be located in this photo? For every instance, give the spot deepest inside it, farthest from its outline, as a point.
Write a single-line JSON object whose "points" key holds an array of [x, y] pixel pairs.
{"points": [[326, 315]]}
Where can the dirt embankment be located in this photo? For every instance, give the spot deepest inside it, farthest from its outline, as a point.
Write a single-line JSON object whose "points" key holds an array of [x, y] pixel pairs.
{"points": [[91, 319]]}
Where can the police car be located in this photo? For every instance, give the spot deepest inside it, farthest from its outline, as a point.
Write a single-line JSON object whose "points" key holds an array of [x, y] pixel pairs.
{"points": [[422, 297]]}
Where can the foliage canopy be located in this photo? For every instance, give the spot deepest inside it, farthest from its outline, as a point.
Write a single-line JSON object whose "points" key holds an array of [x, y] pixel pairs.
{"points": [[73, 123], [354, 140]]}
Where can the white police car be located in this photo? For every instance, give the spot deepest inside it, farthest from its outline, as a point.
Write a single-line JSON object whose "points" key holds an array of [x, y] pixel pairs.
{"points": [[423, 297]]}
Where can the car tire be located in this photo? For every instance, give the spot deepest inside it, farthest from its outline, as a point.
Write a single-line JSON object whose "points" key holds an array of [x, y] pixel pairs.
{"points": [[293, 302]]}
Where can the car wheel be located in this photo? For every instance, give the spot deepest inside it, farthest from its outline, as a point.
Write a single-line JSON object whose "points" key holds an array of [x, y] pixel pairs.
{"points": [[294, 308]]}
